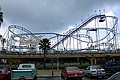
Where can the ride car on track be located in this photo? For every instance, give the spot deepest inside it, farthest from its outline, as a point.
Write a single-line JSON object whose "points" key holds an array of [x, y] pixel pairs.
{"points": [[5, 74], [95, 71], [72, 72]]}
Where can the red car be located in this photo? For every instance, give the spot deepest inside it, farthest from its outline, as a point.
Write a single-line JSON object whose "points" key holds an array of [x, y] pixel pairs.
{"points": [[5, 74], [72, 72]]}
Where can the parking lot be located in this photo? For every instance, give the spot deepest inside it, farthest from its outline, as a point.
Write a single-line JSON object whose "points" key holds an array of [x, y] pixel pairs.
{"points": [[47, 75], [59, 78]]}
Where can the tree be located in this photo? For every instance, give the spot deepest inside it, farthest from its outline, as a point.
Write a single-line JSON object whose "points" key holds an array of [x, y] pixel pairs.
{"points": [[3, 42], [1, 20], [1, 16], [0, 37], [108, 58], [45, 46]]}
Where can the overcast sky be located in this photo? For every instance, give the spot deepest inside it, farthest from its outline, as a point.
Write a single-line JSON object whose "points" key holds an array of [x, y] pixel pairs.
{"points": [[53, 15]]}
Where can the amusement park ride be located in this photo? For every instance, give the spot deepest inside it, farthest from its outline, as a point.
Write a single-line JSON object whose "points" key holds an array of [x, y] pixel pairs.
{"points": [[98, 33]]}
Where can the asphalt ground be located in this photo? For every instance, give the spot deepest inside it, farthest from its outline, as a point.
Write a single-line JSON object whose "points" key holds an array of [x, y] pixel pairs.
{"points": [[59, 78], [47, 75]]}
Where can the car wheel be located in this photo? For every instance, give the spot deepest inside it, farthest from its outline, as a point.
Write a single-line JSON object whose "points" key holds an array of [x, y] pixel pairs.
{"points": [[89, 75], [22, 79], [66, 78], [35, 78], [103, 77], [62, 76], [80, 78]]}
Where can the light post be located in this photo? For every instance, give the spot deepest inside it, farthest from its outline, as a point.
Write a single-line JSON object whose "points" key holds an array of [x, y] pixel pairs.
{"points": [[52, 66]]}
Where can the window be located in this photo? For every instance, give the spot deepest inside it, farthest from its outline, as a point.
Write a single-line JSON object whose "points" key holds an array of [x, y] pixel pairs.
{"points": [[26, 66], [73, 69], [88, 68]]}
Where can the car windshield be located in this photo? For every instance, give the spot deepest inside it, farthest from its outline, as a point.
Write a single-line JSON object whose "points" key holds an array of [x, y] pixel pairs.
{"points": [[96, 67], [26, 66], [73, 69], [2, 71]]}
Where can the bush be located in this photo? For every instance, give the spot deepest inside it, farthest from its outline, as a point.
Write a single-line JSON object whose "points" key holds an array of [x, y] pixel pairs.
{"points": [[83, 66]]}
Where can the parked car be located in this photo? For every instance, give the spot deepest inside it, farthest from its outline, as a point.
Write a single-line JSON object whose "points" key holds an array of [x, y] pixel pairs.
{"points": [[112, 67], [95, 71], [72, 72], [115, 76], [5, 74], [24, 71]]}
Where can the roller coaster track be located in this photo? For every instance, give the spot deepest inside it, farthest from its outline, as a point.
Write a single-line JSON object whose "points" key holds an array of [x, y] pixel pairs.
{"points": [[70, 33], [82, 25], [18, 27], [11, 29], [89, 37]]}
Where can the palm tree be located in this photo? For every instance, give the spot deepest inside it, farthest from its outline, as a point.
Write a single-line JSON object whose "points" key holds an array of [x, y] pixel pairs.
{"points": [[45, 46], [3, 42], [0, 37], [1, 17]]}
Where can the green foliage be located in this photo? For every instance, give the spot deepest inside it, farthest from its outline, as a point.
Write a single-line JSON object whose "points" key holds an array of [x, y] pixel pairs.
{"points": [[44, 44], [1, 17], [107, 57], [8, 66], [82, 66]]}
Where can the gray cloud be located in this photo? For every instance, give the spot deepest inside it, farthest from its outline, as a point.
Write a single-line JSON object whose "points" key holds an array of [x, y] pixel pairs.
{"points": [[51, 15]]}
